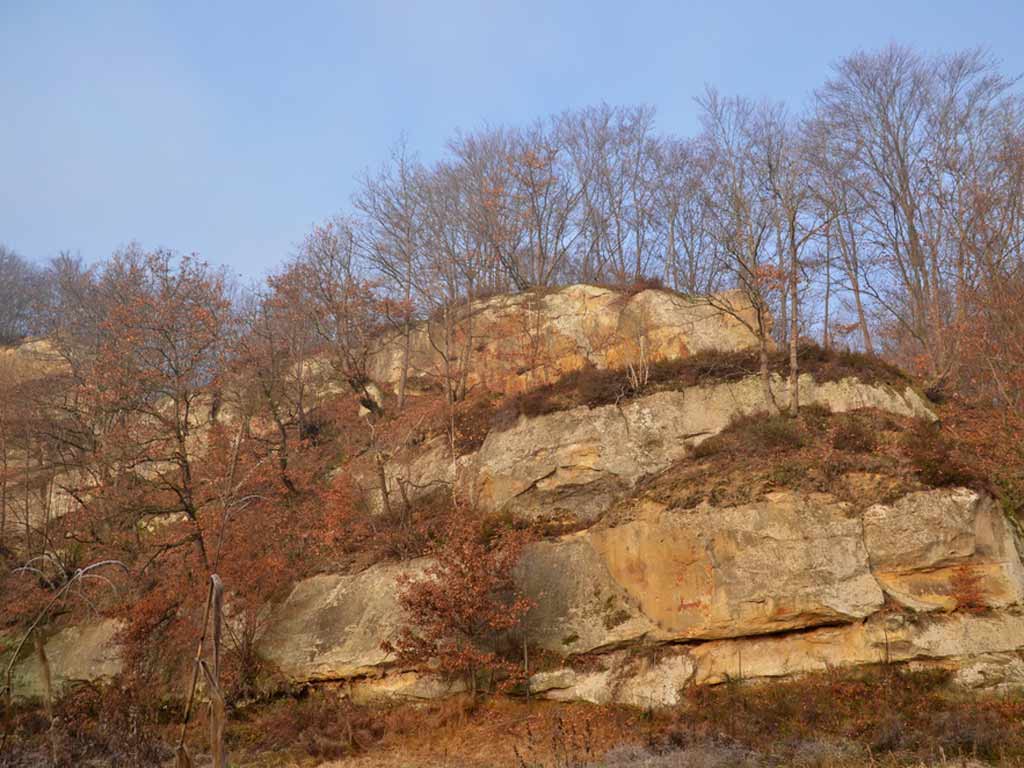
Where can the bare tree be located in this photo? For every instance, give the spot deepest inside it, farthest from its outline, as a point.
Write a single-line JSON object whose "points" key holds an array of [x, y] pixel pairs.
{"points": [[782, 152], [545, 195], [614, 153], [741, 212], [22, 287], [391, 203], [327, 280]]}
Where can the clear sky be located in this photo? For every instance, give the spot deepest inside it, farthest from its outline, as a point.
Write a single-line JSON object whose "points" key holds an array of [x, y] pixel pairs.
{"points": [[227, 129]]}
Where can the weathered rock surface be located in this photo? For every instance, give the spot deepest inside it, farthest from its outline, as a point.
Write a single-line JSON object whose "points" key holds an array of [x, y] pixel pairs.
{"points": [[789, 562], [577, 462], [936, 550], [521, 341], [82, 652], [32, 359], [331, 626], [793, 583], [982, 650], [659, 595]]}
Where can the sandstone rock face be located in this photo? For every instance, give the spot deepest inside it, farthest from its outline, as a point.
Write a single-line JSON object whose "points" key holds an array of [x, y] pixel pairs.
{"points": [[82, 652], [32, 359], [643, 679], [579, 604], [331, 626], [578, 462], [983, 650], [789, 562], [790, 584], [939, 549], [521, 341], [793, 583]]}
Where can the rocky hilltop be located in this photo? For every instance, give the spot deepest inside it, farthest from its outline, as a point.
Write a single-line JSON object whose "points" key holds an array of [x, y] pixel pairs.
{"points": [[690, 541]]}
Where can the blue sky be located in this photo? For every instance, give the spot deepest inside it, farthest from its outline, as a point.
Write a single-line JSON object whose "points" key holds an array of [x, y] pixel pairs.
{"points": [[228, 129]]}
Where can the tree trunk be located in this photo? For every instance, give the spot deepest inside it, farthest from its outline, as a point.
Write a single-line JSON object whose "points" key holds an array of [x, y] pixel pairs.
{"points": [[826, 340], [766, 380], [862, 320], [3, 483], [44, 671], [403, 380], [382, 478], [784, 293], [794, 321]]}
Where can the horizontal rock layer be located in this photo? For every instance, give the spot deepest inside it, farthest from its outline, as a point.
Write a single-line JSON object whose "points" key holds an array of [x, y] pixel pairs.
{"points": [[578, 462], [520, 341], [793, 583]]}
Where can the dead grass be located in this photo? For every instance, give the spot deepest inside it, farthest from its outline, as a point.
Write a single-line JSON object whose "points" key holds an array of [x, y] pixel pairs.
{"points": [[459, 733], [884, 716], [882, 712]]}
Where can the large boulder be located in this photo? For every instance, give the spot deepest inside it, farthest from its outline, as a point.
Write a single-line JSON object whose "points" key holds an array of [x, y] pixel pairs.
{"points": [[83, 652], [332, 626]]}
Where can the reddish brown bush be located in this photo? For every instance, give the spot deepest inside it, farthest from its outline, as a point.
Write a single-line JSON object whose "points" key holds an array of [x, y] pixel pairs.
{"points": [[464, 604]]}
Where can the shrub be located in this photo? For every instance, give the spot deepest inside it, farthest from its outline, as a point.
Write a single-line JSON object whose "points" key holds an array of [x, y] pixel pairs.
{"points": [[816, 416], [107, 722], [754, 434], [934, 459], [854, 433], [769, 433], [473, 419], [593, 387], [967, 590], [465, 604], [711, 446], [633, 287], [317, 724]]}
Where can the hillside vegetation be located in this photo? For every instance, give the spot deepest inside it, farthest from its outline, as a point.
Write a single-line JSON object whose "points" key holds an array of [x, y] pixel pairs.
{"points": [[583, 434]]}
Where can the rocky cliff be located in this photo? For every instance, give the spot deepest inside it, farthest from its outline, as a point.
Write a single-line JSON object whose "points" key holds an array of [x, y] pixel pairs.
{"points": [[521, 341], [684, 557]]}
